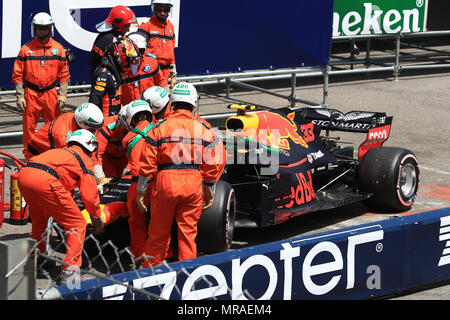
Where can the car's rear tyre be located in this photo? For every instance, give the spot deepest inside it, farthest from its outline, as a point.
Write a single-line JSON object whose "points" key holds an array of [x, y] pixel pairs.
{"points": [[392, 175], [216, 225]]}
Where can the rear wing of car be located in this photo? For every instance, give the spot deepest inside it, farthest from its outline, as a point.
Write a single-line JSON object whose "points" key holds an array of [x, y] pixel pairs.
{"points": [[377, 125], [335, 120]]}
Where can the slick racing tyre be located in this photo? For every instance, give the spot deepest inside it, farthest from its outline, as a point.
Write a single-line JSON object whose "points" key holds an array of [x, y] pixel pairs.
{"points": [[216, 225], [392, 175]]}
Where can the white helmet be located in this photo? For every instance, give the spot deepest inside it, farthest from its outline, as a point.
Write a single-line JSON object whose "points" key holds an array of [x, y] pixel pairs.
{"points": [[162, 2], [41, 19], [185, 92], [156, 97], [88, 116], [139, 40], [85, 138], [123, 117], [134, 107]]}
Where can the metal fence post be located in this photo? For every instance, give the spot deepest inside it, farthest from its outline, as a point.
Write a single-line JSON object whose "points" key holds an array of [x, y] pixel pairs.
{"points": [[293, 85], [17, 270], [326, 78], [368, 48], [397, 57], [353, 52], [228, 86]]}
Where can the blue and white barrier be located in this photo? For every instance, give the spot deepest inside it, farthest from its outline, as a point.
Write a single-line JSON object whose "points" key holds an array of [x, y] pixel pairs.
{"points": [[359, 262]]}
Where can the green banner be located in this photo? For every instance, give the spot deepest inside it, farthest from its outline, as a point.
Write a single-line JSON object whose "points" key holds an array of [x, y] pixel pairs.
{"points": [[358, 17]]}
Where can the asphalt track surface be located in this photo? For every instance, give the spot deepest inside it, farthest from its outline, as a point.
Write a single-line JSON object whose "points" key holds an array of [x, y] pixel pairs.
{"points": [[419, 103]]}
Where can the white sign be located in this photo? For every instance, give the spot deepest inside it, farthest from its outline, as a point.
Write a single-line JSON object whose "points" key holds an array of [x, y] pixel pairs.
{"points": [[67, 17], [11, 28]]}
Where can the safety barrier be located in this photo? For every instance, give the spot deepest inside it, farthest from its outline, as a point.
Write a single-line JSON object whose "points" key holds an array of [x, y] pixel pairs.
{"points": [[392, 63], [431, 57], [361, 262], [17, 272]]}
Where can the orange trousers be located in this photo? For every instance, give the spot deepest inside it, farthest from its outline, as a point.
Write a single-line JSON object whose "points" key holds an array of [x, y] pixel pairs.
{"points": [[38, 103], [137, 223], [47, 197], [165, 75], [112, 166], [176, 194]]}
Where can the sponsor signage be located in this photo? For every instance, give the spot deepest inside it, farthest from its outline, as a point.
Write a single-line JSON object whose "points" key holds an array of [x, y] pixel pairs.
{"points": [[359, 17], [211, 36], [353, 263]]}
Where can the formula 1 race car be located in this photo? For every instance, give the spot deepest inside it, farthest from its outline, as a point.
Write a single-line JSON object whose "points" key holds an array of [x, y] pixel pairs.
{"points": [[282, 163]]}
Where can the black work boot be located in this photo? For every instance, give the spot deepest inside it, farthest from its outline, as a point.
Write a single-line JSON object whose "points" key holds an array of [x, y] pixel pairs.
{"points": [[44, 266]]}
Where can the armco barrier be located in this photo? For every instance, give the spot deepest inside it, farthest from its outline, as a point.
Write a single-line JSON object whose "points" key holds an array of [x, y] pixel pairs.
{"points": [[360, 262]]}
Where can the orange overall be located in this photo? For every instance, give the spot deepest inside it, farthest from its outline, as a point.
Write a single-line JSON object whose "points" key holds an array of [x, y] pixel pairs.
{"points": [[110, 154], [40, 67], [147, 75], [134, 142], [54, 134], [47, 183], [161, 42], [181, 152]]}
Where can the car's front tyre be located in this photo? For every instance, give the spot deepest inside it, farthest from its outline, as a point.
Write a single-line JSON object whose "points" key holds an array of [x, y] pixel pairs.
{"points": [[216, 225]]}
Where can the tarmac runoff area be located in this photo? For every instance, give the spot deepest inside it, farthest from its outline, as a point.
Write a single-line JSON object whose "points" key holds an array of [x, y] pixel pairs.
{"points": [[419, 103]]}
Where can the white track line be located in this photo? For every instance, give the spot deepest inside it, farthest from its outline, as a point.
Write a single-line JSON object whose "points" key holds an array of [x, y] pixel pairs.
{"points": [[435, 170]]}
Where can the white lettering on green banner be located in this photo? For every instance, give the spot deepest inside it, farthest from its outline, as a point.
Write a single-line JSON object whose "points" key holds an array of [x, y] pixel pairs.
{"points": [[358, 17]]}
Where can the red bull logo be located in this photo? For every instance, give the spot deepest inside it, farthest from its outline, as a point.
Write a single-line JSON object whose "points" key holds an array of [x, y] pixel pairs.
{"points": [[279, 131], [266, 131], [303, 192]]}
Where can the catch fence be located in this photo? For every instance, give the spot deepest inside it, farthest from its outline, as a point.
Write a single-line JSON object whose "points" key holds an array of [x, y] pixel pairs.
{"points": [[403, 56]]}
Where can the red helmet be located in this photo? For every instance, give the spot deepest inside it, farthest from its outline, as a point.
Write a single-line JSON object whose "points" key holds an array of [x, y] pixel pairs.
{"points": [[118, 18]]}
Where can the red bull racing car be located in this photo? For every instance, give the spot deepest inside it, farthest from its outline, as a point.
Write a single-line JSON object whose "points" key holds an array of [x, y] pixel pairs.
{"points": [[282, 163]]}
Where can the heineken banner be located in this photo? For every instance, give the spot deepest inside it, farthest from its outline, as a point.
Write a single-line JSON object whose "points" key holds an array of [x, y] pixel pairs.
{"points": [[363, 17], [211, 36]]}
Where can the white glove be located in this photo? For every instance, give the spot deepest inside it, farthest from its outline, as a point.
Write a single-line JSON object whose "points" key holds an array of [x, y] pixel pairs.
{"points": [[208, 196], [62, 96], [20, 92], [140, 202], [98, 172], [104, 180]]}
